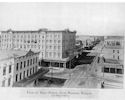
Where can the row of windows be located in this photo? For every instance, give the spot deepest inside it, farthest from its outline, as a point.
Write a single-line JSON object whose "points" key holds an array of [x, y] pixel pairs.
{"points": [[55, 35], [31, 41], [55, 54], [113, 43], [55, 41], [53, 47], [33, 46], [112, 70], [4, 82], [8, 40], [24, 36], [32, 36], [7, 46], [5, 70], [114, 51], [25, 74], [26, 63]]}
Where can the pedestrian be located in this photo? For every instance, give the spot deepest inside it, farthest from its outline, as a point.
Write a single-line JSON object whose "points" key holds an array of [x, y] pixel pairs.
{"points": [[102, 85]]}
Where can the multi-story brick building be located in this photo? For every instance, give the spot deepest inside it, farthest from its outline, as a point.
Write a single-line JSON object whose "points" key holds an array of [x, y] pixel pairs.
{"points": [[56, 47], [16, 66]]}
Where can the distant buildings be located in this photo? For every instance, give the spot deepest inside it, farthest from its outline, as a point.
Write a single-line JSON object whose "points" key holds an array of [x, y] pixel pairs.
{"points": [[16, 66], [88, 40], [56, 47]]}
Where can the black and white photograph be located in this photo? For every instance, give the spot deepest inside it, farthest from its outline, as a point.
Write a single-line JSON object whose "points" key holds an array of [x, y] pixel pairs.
{"points": [[62, 45]]}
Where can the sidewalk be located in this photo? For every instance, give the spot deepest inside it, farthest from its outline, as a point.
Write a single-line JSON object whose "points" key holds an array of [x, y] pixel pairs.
{"points": [[30, 79]]}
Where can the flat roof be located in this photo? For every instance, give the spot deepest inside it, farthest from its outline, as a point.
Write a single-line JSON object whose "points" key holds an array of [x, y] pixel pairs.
{"points": [[7, 54], [37, 31]]}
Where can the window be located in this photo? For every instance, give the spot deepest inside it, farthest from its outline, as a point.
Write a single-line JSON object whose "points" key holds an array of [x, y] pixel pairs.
{"points": [[9, 68], [30, 71], [50, 47], [3, 83], [98, 59], [20, 76], [119, 71], [61, 65], [24, 64], [27, 73], [21, 65], [9, 81], [54, 47], [4, 71], [117, 51], [36, 59], [16, 77], [117, 43], [113, 56], [33, 60], [36, 69], [50, 41], [106, 70], [113, 51], [33, 70], [58, 41], [24, 74], [30, 61], [118, 57], [112, 70]]}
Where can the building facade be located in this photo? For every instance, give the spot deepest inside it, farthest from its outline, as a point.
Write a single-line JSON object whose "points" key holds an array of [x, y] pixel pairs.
{"points": [[114, 48], [16, 66], [113, 56], [6, 72], [56, 47]]}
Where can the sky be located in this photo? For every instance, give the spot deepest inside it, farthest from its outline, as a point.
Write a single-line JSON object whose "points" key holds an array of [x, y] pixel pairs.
{"points": [[85, 18]]}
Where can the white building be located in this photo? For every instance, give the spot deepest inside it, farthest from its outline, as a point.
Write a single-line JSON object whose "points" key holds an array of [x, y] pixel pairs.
{"points": [[16, 66], [56, 47]]}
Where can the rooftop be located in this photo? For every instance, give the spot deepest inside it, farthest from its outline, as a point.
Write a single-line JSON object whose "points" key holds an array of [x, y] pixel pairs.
{"points": [[113, 61], [36, 31], [7, 54]]}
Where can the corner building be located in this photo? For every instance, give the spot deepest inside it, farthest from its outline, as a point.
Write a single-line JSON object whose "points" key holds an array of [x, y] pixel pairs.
{"points": [[56, 47], [16, 66]]}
